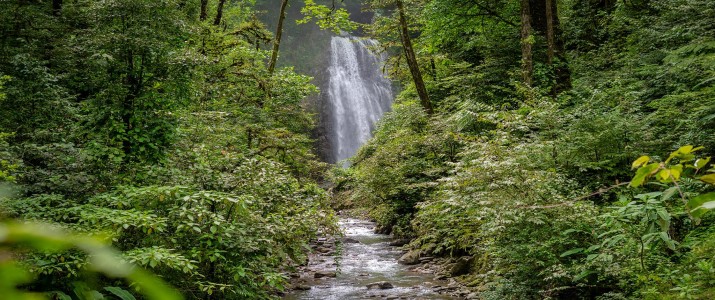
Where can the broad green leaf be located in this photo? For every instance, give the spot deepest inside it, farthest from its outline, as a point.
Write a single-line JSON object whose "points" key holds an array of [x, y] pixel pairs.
{"points": [[683, 153], [667, 240], [663, 220], [60, 296], [583, 274], [640, 161], [710, 178], [697, 204], [643, 173], [120, 292], [701, 162], [572, 252], [685, 149], [664, 175], [676, 170], [669, 193], [703, 209]]}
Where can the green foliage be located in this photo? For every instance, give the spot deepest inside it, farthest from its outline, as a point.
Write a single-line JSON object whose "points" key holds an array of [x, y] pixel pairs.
{"points": [[103, 259], [9, 164], [395, 169], [137, 124], [502, 171], [335, 19]]}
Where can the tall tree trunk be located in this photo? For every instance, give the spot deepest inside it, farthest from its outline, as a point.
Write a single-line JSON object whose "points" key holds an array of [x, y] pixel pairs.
{"points": [[219, 12], [204, 7], [277, 39], [551, 43], [527, 59], [412, 60], [56, 7], [556, 53]]}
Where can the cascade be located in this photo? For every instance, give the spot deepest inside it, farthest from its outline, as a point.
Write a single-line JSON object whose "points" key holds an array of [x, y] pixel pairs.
{"points": [[358, 94]]}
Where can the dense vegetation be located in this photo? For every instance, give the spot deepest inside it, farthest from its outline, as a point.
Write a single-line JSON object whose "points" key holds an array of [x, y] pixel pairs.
{"points": [[564, 145], [538, 110], [155, 126]]}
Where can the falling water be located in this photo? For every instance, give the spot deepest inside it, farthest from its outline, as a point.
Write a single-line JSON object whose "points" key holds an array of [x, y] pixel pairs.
{"points": [[358, 92]]}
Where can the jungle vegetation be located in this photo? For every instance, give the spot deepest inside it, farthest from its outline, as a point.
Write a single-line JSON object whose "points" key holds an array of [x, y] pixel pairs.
{"points": [[160, 149]]}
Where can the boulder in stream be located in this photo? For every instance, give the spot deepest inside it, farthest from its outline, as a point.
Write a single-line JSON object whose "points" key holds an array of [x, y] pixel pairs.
{"points": [[321, 274], [382, 285], [410, 258]]}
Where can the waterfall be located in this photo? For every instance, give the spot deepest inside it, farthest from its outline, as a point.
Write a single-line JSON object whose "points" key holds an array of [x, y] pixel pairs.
{"points": [[358, 94]]}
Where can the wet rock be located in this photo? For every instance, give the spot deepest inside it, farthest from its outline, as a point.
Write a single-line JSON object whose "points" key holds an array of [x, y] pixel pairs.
{"points": [[461, 266], [321, 274], [363, 274], [426, 259], [350, 241], [410, 258], [301, 287], [383, 285], [381, 229], [399, 242], [323, 250], [444, 289]]}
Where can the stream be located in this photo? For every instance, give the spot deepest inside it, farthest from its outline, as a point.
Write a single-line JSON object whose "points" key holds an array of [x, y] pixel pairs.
{"points": [[365, 258]]}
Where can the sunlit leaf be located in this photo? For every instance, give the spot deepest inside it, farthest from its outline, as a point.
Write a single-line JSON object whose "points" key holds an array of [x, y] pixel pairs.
{"points": [[640, 161], [702, 162], [685, 149], [710, 178], [643, 173]]}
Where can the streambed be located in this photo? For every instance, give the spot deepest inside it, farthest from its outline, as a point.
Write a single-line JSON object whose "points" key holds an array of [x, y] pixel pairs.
{"points": [[365, 258]]}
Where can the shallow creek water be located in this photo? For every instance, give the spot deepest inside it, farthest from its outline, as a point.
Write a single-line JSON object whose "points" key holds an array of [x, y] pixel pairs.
{"points": [[369, 260]]}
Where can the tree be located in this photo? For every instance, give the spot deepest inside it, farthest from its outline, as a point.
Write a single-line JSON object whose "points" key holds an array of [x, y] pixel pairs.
{"points": [[277, 39], [204, 10], [412, 59], [219, 12], [56, 7], [527, 41], [555, 53]]}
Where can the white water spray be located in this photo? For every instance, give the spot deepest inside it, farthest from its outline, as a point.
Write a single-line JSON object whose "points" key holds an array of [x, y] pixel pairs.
{"points": [[359, 94]]}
